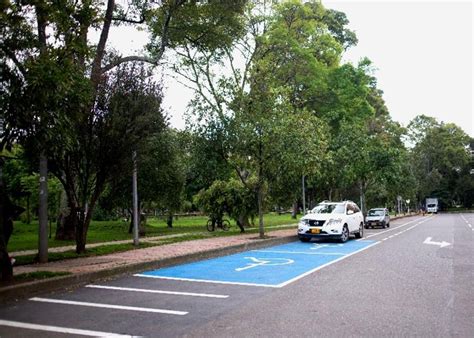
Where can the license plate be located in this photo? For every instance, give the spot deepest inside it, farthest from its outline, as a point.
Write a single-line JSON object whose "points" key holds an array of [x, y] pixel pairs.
{"points": [[315, 231]]}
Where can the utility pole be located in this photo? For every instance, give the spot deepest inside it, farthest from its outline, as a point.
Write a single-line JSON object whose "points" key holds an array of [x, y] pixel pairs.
{"points": [[41, 19], [43, 210], [135, 199], [304, 197]]}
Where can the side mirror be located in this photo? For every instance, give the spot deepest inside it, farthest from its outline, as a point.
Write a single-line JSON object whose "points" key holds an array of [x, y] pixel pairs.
{"points": [[350, 212]]}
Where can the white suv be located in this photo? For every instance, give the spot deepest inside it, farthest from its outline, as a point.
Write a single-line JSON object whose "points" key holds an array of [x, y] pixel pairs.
{"points": [[332, 220]]}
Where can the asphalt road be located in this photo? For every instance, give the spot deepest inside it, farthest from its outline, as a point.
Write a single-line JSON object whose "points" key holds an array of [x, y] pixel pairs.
{"points": [[412, 279]]}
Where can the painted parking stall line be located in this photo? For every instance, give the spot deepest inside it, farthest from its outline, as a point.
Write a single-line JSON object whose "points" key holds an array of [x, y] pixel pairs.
{"points": [[272, 267], [164, 292], [59, 329], [108, 306]]}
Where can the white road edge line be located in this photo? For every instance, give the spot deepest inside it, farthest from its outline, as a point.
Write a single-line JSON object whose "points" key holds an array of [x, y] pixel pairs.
{"points": [[325, 265], [391, 229], [467, 222], [205, 281], [401, 232], [209, 295], [108, 306], [59, 329]]}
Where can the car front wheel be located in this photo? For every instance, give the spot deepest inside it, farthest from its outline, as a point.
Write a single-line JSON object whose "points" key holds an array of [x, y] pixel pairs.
{"points": [[345, 234]]}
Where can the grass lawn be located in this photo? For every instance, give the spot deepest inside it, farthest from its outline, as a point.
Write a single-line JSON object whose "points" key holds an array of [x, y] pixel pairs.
{"points": [[25, 236]]}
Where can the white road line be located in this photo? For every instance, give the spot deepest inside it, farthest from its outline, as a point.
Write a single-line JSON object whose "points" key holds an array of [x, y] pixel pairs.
{"points": [[59, 329], [108, 306], [205, 281], [324, 265], [391, 229], [467, 222], [302, 252], [401, 232], [210, 295]]}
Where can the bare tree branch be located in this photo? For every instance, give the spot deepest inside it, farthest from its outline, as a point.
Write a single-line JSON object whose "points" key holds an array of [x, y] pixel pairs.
{"points": [[164, 41], [131, 58], [14, 59], [124, 19], [96, 65]]}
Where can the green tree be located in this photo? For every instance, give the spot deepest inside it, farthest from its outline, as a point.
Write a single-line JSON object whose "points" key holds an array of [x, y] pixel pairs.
{"points": [[288, 54], [228, 197], [52, 51], [438, 158], [160, 177]]}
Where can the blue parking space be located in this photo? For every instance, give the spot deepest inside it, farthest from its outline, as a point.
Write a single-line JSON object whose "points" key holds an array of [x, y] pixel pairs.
{"points": [[273, 267]]}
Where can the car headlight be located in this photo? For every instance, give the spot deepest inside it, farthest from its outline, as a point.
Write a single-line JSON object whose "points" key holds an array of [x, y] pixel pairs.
{"points": [[304, 222], [334, 221]]}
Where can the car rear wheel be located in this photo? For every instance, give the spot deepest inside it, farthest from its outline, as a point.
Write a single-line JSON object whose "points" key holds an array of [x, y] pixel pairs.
{"points": [[360, 234], [345, 234]]}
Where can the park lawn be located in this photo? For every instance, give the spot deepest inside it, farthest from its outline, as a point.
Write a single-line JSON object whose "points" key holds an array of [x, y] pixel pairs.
{"points": [[25, 236]]}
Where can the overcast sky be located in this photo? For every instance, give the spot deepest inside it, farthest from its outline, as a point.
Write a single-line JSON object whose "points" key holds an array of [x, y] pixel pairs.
{"points": [[422, 52]]}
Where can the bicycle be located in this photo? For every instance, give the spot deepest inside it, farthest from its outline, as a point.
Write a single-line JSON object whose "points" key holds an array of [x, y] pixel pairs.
{"points": [[223, 224]]}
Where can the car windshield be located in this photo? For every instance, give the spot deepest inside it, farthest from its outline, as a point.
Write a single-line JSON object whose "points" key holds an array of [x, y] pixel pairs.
{"points": [[333, 208], [376, 213], [431, 205]]}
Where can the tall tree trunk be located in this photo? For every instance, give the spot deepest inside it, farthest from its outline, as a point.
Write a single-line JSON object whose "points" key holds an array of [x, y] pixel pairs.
{"points": [[260, 210], [243, 222], [142, 223], [169, 220], [80, 235], [67, 220], [362, 197], [81, 230], [28, 209], [294, 210], [6, 270]]}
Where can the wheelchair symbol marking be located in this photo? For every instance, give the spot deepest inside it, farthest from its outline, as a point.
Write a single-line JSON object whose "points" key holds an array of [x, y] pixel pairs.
{"points": [[265, 261], [320, 246]]}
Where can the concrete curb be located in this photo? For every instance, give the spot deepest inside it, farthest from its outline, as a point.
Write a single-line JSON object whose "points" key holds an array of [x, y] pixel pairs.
{"points": [[21, 291]]}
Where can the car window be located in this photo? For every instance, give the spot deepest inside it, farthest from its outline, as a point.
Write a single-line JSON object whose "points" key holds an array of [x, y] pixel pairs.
{"points": [[333, 208], [350, 207], [356, 208], [376, 213]]}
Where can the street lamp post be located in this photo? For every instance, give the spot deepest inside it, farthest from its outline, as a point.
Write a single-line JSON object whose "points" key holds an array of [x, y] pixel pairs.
{"points": [[304, 198], [135, 200]]}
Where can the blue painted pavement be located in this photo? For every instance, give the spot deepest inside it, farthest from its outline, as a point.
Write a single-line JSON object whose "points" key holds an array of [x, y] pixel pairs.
{"points": [[274, 266]]}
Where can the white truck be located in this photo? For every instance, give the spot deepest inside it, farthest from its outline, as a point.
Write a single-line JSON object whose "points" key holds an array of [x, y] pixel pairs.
{"points": [[432, 205]]}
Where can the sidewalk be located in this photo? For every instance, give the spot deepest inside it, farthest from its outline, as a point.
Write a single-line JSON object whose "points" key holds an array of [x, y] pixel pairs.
{"points": [[87, 269], [95, 245]]}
